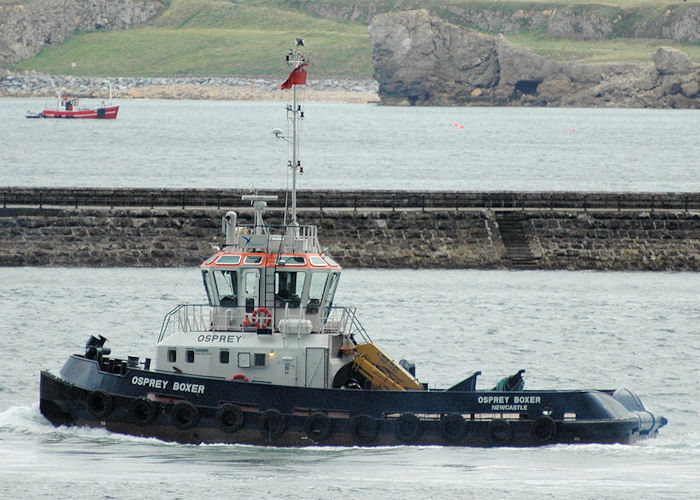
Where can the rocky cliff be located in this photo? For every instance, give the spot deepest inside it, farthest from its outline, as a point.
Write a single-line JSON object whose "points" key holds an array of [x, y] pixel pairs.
{"points": [[27, 27], [679, 22], [422, 59]]}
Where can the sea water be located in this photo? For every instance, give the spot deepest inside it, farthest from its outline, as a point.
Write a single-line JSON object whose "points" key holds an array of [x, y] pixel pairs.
{"points": [[225, 144], [569, 330]]}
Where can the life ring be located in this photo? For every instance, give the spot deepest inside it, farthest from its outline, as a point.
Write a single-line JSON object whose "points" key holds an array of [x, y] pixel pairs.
{"points": [[142, 411], [544, 430], [100, 403], [262, 318], [500, 432], [272, 424], [363, 429], [229, 418], [453, 428], [184, 415], [408, 428], [318, 426], [240, 377]]}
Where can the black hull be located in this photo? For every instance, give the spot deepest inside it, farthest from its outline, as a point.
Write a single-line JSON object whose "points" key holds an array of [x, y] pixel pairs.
{"points": [[187, 409]]}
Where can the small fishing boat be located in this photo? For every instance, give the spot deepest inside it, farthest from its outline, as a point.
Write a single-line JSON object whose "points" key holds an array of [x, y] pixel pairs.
{"points": [[270, 359], [68, 107]]}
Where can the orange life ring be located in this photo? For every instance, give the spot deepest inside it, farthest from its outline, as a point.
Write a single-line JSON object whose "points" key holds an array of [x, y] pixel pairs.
{"points": [[240, 377], [262, 317]]}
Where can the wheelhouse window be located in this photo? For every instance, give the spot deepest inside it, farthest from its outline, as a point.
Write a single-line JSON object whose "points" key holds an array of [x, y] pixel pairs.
{"points": [[230, 260], [223, 357], [253, 259], [190, 356], [172, 356], [226, 287], [328, 302], [317, 261], [291, 260], [316, 288], [289, 286], [330, 261]]}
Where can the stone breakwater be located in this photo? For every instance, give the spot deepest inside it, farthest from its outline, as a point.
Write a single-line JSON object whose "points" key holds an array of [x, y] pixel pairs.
{"points": [[33, 84], [482, 239]]}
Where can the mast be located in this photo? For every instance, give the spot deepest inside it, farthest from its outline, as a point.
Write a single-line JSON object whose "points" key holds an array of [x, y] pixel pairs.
{"points": [[297, 61]]}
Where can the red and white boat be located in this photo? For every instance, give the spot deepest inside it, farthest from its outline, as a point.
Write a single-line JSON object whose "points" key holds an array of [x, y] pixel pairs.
{"points": [[67, 107]]}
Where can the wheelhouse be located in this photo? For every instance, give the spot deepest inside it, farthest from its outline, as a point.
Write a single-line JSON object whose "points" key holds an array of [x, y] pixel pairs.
{"points": [[260, 289]]}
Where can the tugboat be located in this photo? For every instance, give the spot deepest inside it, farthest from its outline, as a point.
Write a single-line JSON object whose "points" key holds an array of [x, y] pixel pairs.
{"points": [[272, 360]]}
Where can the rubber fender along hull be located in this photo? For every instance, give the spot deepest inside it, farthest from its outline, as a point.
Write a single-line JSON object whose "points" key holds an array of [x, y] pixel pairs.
{"points": [[223, 419]]}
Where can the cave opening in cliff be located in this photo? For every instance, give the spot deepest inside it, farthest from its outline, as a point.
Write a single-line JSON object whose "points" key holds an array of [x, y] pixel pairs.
{"points": [[527, 86]]}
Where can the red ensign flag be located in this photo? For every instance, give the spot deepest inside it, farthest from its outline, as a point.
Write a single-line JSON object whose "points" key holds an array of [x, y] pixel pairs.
{"points": [[296, 77]]}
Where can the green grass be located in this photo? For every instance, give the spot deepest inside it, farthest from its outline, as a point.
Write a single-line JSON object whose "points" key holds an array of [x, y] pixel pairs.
{"points": [[250, 37], [601, 51], [205, 37]]}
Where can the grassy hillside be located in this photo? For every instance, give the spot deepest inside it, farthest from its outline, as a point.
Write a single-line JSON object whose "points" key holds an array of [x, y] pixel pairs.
{"points": [[633, 50], [249, 37], [213, 37]]}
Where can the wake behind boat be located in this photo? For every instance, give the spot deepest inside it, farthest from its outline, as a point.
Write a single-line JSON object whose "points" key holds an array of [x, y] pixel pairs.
{"points": [[272, 360]]}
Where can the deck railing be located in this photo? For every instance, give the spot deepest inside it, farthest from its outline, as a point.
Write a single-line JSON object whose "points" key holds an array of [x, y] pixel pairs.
{"points": [[201, 318]]}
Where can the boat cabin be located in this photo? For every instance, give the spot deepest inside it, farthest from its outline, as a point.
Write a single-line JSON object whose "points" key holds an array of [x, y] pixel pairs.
{"points": [[69, 103], [269, 316]]}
